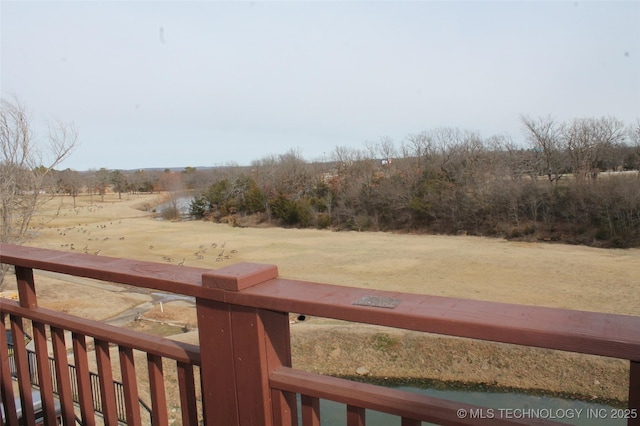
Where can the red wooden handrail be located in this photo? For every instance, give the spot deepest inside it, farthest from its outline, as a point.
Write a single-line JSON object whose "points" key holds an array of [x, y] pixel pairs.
{"points": [[386, 400], [563, 329], [179, 351]]}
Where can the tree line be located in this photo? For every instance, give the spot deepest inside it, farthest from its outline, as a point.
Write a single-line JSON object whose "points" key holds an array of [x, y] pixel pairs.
{"points": [[576, 181]]}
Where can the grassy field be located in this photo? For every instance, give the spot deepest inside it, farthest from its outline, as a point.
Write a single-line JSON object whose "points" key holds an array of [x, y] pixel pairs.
{"points": [[543, 274]]}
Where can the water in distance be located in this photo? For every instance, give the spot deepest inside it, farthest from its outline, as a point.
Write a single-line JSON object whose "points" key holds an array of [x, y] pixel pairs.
{"points": [[506, 405]]}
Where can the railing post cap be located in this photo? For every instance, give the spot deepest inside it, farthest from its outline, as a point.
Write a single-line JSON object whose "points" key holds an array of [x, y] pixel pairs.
{"points": [[239, 276]]}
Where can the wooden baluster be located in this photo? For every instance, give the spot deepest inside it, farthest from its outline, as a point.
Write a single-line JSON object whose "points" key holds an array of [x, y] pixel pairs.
{"points": [[24, 370], [44, 373], [355, 416], [62, 375], [107, 390], [284, 407], [188, 399], [130, 386], [6, 385], [83, 379], [310, 410], [156, 385], [278, 351]]}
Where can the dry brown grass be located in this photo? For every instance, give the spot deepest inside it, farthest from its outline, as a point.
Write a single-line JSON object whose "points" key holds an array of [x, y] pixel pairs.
{"points": [[554, 275], [541, 274]]}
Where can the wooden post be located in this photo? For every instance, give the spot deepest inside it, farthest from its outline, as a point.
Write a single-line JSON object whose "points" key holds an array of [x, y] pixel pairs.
{"points": [[239, 346], [26, 287], [28, 299]]}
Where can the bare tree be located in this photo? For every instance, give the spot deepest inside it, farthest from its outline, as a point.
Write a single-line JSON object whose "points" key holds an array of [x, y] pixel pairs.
{"points": [[101, 181], [293, 174], [545, 138], [264, 172], [119, 181], [589, 142], [25, 166], [383, 150], [69, 182], [173, 184], [419, 147]]}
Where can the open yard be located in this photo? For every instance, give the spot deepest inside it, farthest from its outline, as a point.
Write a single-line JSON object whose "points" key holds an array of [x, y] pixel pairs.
{"points": [[542, 274]]}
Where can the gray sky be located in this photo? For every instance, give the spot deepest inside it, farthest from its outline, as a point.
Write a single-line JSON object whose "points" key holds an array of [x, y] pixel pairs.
{"points": [[174, 84]]}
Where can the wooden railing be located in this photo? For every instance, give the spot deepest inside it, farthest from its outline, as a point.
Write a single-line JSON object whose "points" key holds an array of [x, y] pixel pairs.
{"points": [[241, 372], [94, 379]]}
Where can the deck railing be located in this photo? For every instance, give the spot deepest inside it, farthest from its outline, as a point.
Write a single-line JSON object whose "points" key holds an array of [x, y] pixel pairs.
{"points": [[241, 372], [94, 379]]}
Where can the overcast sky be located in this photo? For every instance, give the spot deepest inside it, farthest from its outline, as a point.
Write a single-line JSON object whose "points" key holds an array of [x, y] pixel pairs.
{"points": [[175, 84]]}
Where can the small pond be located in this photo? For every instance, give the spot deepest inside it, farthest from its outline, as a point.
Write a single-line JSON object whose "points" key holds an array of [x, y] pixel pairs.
{"points": [[183, 204]]}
